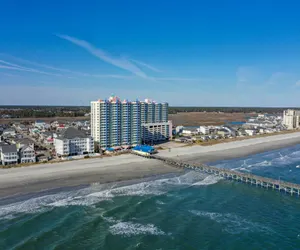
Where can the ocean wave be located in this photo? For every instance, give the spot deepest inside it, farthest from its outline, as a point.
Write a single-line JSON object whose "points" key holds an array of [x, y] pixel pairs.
{"points": [[158, 202], [104, 192], [209, 180], [233, 224], [130, 228]]}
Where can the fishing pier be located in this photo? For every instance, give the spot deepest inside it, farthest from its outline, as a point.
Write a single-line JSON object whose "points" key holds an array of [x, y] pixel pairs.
{"points": [[255, 180]]}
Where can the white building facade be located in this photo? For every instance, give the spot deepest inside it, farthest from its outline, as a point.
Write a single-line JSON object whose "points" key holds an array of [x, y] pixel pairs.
{"points": [[9, 154], [291, 118], [73, 142], [116, 123], [27, 154], [204, 130]]}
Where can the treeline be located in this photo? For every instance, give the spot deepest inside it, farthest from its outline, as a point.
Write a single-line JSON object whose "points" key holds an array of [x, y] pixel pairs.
{"points": [[76, 111], [39, 112], [174, 110]]}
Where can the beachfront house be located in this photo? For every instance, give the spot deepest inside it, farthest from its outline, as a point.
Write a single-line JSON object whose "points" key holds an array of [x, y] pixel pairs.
{"points": [[20, 143], [203, 130], [223, 132], [27, 154], [73, 142], [190, 131], [250, 132], [9, 154]]}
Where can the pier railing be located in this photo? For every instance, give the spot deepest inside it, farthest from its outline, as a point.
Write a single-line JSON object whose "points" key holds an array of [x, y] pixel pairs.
{"points": [[288, 187]]}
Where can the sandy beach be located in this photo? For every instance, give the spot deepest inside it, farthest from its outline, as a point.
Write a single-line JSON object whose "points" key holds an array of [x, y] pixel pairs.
{"points": [[16, 181], [230, 150], [37, 178]]}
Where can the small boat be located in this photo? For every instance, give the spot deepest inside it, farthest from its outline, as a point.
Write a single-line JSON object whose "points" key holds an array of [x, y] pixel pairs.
{"points": [[298, 166]]}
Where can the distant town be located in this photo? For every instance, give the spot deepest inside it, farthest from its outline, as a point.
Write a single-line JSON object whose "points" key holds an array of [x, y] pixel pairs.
{"points": [[112, 126]]}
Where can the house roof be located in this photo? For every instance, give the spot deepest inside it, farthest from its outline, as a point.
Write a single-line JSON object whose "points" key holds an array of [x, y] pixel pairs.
{"points": [[25, 147], [71, 133], [47, 133], [9, 130], [9, 148], [3, 143], [24, 141]]}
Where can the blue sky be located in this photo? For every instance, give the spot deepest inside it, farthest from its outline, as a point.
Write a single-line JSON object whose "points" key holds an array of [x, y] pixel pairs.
{"points": [[200, 53]]}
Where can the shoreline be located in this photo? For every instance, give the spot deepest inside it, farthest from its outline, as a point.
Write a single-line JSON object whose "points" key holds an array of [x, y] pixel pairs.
{"points": [[47, 177], [234, 149]]}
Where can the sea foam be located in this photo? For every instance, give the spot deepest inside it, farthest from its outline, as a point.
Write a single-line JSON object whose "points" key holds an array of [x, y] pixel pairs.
{"points": [[129, 229], [232, 223], [105, 192]]}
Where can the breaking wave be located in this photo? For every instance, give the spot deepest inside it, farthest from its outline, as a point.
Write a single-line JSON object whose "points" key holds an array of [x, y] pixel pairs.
{"points": [[273, 159], [209, 180], [130, 228], [105, 192]]}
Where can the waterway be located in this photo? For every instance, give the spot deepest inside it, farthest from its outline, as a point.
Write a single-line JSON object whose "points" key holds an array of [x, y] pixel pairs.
{"points": [[190, 211]]}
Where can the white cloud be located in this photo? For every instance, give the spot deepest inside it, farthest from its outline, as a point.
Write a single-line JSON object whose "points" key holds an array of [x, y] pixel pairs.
{"points": [[22, 68], [177, 79], [118, 62], [145, 65], [12, 66]]}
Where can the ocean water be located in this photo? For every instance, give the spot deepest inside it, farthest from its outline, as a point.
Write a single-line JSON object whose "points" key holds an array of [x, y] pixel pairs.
{"points": [[190, 211]]}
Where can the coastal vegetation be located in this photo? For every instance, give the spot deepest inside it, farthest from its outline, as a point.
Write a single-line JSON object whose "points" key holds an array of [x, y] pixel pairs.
{"points": [[80, 111]]}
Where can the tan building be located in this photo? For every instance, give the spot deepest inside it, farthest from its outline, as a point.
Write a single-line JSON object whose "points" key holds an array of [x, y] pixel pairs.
{"points": [[291, 118]]}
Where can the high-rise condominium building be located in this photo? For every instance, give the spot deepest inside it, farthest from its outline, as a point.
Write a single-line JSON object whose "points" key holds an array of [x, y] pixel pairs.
{"points": [[116, 123], [154, 121], [291, 118]]}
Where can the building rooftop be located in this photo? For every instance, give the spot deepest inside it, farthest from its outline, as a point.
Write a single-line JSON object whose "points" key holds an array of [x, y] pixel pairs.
{"points": [[9, 130], [9, 148], [25, 147], [71, 133], [144, 148], [24, 141]]}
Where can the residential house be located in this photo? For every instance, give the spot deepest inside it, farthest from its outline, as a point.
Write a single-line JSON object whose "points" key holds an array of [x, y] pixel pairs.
{"points": [[223, 132], [9, 154], [22, 128], [60, 127], [16, 124], [46, 135], [184, 139], [20, 143], [39, 124], [251, 132], [54, 124], [231, 131], [42, 158], [9, 132], [190, 131], [27, 154], [179, 129], [73, 142], [203, 130]]}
